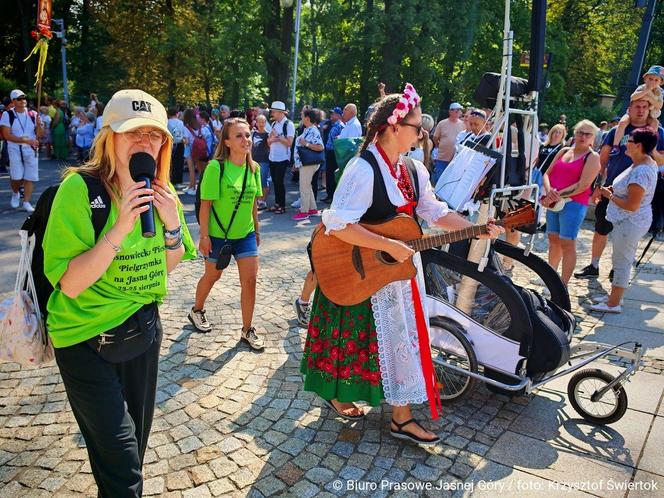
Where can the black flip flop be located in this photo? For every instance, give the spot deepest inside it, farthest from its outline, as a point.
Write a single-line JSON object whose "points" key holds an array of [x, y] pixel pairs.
{"points": [[342, 415], [401, 434]]}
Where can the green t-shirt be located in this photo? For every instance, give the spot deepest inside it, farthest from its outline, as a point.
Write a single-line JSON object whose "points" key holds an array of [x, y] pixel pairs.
{"points": [[137, 275], [224, 200]]}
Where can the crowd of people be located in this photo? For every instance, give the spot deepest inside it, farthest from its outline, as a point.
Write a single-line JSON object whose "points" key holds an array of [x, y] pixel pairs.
{"points": [[103, 316]]}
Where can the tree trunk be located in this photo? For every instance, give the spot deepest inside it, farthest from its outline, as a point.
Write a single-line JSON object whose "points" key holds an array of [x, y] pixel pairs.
{"points": [[365, 73], [391, 45], [171, 64], [278, 42], [26, 18]]}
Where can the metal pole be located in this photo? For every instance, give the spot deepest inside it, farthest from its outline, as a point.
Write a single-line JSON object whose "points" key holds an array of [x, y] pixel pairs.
{"points": [[640, 54], [63, 53], [297, 48]]}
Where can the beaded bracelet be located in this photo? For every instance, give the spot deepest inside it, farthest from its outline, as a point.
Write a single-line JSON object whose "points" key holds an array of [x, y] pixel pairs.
{"points": [[174, 246], [172, 234]]}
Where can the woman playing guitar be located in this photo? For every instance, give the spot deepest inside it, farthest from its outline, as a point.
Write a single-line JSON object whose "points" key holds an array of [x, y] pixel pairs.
{"points": [[371, 351]]}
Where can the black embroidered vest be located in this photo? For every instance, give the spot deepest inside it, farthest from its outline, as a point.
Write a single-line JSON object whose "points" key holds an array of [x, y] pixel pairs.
{"points": [[381, 208]]}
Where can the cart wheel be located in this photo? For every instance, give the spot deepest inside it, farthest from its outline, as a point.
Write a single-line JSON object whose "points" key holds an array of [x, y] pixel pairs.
{"points": [[610, 408], [454, 349]]}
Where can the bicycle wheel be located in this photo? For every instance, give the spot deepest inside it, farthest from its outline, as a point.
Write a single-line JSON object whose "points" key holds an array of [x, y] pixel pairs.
{"points": [[452, 348], [606, 410]]}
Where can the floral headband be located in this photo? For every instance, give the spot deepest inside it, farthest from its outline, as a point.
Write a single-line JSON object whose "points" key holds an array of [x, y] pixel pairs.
{"points": [[408, 101]]}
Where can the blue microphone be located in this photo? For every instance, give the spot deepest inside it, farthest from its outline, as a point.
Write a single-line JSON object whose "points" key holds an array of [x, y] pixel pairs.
{"points": [[142, 167]]}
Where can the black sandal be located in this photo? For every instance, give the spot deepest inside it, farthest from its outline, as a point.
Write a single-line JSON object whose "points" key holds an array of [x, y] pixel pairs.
{"points": [[342, 415], [409, 436], [280, 211], [274, 208]]}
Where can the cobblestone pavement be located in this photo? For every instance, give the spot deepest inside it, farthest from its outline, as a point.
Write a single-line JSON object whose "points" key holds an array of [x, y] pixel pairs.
{"points": [[232, 422]]}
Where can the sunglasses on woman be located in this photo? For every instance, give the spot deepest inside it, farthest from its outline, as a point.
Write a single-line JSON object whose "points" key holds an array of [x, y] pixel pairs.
{"points": [[418, 128], [155, 137]]}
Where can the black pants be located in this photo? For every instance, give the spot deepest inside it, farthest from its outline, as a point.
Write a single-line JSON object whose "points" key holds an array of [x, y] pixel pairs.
{"points": [[331, 167], [278, 172], [314, 182], [177, 163], [113, 405]]}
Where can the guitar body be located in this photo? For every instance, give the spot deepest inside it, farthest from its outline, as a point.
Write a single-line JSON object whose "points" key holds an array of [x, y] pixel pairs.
{"points": [[348, 275]]}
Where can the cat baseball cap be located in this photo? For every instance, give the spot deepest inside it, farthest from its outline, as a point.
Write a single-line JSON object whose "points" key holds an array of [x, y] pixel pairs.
{"points": [[131, 109]]}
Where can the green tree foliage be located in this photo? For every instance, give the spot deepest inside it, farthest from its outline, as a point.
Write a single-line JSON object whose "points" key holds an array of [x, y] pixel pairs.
{"points": [[240, 53]]}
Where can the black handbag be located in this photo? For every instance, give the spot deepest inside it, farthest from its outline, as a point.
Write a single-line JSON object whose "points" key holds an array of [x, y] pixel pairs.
{"points": [[310, 157], [131, 338]]}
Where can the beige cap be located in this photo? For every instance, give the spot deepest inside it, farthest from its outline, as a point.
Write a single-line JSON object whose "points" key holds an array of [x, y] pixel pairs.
{"points": [[130, 109]]}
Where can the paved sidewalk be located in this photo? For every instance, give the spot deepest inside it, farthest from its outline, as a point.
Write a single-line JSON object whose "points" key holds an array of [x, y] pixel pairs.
{"points": [[232, 422]]}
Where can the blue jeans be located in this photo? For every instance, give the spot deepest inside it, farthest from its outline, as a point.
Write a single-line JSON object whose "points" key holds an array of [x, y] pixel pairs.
{"points": [[265, 174], [438, 168], [566, 223]]}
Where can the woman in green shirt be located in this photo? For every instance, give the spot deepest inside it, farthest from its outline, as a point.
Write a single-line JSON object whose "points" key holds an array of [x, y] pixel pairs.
{"points": [[229, 224], [102, 315]]}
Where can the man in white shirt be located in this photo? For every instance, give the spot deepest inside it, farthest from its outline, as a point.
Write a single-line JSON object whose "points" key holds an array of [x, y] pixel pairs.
{"points": [[280, 141], [176, 127], [21, 131], [444, 137], [352, 125]]}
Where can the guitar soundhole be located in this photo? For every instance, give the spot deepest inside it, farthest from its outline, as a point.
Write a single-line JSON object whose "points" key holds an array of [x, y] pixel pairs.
{"points": [[385, 258]]}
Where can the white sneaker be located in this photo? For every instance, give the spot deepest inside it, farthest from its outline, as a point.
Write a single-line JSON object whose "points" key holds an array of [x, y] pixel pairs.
{"points": [[252, 339], [296, 204], [28, 207], [605, 308], [199, 320], [604, 299], [16, 200]]}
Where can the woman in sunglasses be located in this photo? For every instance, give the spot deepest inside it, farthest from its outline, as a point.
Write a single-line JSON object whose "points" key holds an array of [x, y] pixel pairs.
{"points": [[569, 180], [379, 349], [229, 224], [108, 279], [630, 197]]}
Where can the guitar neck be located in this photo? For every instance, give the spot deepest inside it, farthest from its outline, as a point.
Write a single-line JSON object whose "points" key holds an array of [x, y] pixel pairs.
{"points": [[430, 241]]}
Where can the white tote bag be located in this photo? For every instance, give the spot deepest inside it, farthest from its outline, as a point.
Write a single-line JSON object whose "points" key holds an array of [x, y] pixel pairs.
{"points": [[23, 338]]}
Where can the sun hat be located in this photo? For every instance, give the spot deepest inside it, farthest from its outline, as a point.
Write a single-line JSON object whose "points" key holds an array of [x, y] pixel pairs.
{"points": [[656, 71], [278, 105], [130, 109]]}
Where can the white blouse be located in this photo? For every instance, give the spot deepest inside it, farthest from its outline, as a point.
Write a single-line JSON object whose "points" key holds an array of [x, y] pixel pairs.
{"points": [[354, 194]]}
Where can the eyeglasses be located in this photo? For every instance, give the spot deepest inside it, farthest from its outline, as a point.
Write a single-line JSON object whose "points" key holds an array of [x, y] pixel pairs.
{"points": [[584, 133], [155, 137], [22, 97], [417, 127]]}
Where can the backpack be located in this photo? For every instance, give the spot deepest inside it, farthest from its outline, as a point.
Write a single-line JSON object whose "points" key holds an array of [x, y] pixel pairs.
{"points": [[214, 139], [197, 201], [552, 332], [35, 224], [199, 150], [12, 117]]}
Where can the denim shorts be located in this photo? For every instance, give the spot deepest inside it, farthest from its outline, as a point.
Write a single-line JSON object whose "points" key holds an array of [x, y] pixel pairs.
{"points": [[566, 223], [242, 248]]}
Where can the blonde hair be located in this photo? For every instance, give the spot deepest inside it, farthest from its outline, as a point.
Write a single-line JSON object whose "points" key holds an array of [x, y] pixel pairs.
{"points": [[588, 124], [554, 128], [102, 161], [223, 152]]}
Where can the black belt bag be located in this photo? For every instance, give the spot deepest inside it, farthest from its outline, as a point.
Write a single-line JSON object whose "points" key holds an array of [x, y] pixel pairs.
{"points": [[131, 338]]}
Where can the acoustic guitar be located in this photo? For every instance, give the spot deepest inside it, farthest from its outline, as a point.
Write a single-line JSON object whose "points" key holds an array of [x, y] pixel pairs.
{"points": [[349, 274]]}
